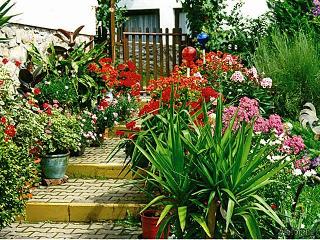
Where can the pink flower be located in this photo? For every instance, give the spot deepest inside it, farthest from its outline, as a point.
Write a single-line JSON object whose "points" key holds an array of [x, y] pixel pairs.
{"points": [[275, 122], [237, 76], [266, 83], [248, 108], [261, 125], [293, 144], [303, 164]]}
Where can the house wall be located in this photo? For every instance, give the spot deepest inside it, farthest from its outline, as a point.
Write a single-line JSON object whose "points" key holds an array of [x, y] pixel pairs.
{"points": [[251, 8], [166, 9], [53, 14]]}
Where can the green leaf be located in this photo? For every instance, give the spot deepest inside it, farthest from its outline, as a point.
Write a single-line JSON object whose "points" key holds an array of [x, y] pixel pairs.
{"points": [[164, 213], [200, 219], [229, 213], [252, 226], [182, 213], [153, 202]]}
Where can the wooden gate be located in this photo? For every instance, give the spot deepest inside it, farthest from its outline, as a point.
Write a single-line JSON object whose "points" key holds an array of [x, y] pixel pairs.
{"points": [[154, 53]]}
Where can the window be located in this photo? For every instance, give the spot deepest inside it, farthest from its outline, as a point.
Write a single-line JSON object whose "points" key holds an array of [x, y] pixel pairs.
{"points": [[181, 20], [139, 20]]}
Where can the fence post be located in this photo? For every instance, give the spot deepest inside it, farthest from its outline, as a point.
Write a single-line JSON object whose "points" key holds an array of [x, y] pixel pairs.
{"points": [[167, 52], [147, 56], [161, 53], [113, 29], [155, 55], [125, 46]]}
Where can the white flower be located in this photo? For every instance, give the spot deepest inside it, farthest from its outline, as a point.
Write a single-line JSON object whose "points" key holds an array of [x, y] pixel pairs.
{"points": [[66, 87], [266, 83], [288, 158], [302, 225], [297, 172], [115, 115], [237, 76], [263, 142], [47, 82], [309, 173], [254, 72]]}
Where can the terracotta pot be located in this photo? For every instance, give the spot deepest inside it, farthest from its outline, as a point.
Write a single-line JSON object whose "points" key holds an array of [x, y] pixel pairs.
{"points": [[149, 225]]}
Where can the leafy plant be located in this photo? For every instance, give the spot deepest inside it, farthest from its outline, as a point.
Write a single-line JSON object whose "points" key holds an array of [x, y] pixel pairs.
{"points": [[193, 166], [294, 69]]}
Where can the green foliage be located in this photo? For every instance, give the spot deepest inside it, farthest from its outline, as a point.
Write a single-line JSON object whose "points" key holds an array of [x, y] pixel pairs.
{"points": [[229, 32], [192, 166], [17, 168], [294, 69], [70, 81], [104, 15], [61, 134], [291, 15]]}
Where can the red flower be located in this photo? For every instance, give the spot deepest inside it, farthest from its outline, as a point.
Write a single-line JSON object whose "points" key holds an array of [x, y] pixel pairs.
{"points": [[49, 111], [166, 94], [104, 61], [208, 93], [131, 125], [10, 130], [274, 206], [3, 120], [93, 67], [121, 67], [36, 91], [17, 63], [46, 106], [151, 107], [131, 66], [120, 133], [103, 104], [5, 60]]}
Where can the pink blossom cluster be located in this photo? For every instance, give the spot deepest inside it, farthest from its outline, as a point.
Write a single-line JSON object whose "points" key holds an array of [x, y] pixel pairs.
{"points": [[303, 164], [247, 110], [275, 123], [253, 72], [293, 145], [237, 76]]}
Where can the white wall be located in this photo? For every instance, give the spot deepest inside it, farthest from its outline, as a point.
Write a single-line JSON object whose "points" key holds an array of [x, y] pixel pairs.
{"points": [[251, 8], [53, 14]]}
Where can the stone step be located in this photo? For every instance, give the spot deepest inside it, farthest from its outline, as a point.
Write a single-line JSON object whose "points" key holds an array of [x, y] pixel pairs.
{"points": [[94, 163], [103, 230], [85, 200]]}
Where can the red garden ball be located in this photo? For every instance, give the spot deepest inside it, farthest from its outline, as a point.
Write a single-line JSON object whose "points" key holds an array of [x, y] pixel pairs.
{"points": [[189, 53]]}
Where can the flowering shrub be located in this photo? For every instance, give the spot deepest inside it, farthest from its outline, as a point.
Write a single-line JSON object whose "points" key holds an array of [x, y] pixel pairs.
{"points": [[122, 79], [88, 126], [225, 73], [18, 170]]}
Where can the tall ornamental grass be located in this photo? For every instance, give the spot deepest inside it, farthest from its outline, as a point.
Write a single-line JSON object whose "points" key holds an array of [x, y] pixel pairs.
{"points": [[293, 64]]}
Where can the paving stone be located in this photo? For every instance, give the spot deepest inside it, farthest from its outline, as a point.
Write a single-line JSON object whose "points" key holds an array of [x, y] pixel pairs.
{"points": [[62, 230], [100, 154], [101, 191]]}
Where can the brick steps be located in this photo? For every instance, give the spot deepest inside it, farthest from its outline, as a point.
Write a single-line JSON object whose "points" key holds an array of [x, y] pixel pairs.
{"points": [[85, 200]]}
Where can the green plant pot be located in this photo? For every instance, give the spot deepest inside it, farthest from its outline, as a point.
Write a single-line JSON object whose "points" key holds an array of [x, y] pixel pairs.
{"points": [[54, 166]]}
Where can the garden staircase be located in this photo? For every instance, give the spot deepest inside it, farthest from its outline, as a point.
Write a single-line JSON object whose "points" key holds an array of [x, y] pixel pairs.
{"points": [[97, 190]]}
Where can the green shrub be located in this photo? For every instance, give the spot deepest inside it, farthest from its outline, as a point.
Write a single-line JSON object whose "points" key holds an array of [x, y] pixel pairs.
{"points": [[294, 67], [17, 171]]}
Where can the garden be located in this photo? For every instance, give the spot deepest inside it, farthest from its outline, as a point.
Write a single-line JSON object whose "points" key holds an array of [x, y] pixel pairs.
{"points": [[227, 146]]}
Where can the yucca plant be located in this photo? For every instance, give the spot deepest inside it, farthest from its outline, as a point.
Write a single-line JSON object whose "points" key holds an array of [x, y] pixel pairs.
{"points": [[194, 165], [231, 169], [172, 170], [4, 19]]}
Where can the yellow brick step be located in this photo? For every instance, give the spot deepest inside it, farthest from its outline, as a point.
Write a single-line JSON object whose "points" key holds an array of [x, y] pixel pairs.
{"points": [[85, 200]]}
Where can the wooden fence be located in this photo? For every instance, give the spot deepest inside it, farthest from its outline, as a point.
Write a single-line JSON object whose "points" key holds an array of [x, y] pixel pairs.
{"points": [[154, 53]]}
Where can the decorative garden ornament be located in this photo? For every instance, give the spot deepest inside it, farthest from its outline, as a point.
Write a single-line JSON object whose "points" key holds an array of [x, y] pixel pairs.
{"points": [[203, 38], [189, 54], [308, 115]]}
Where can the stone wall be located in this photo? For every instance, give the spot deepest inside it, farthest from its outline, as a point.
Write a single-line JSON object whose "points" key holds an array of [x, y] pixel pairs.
{"points": [[20, 38]]}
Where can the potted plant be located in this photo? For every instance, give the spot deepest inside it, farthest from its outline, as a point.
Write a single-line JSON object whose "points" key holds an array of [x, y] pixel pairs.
{"points": [[150, 224], [61, 135]]}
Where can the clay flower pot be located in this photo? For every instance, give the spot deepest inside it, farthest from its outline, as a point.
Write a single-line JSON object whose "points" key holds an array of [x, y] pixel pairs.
{"points": [[150, 229]]}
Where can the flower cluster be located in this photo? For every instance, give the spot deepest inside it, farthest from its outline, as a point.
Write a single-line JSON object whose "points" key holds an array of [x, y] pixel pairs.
{"points": [[316, 8], [8, 128], [122, 78]]}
